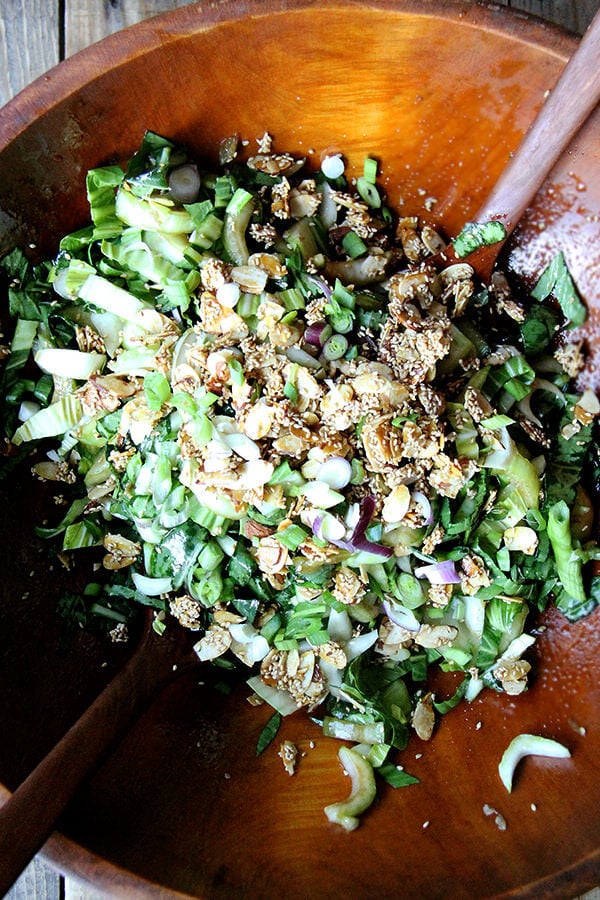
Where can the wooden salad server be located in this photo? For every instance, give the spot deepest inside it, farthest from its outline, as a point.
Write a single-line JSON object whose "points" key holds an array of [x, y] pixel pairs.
{"points": [[572, 100], [29, 816]]}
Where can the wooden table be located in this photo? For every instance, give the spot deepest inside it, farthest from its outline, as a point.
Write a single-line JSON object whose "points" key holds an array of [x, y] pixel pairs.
{"points": [[37, 34]]}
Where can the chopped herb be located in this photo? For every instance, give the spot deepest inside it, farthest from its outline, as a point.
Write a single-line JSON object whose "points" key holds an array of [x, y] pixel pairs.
{"points": [[370, 170], [369, 192], [269, 733]]}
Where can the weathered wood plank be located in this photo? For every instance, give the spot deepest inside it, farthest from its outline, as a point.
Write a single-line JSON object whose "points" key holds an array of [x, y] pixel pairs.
{"points": [[29, 43], [75, 891], [575, 15], [38, 882], [88, 22]]}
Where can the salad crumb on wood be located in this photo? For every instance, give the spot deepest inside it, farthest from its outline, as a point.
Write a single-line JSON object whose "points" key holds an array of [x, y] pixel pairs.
{"points": [[279, 426]]}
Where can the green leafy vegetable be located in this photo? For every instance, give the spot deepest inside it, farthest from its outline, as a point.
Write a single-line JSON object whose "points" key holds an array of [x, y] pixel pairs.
{"points": [[339, 470], [556, 280], [538, 329], [478, 234], [395, 776], [573, 601]]}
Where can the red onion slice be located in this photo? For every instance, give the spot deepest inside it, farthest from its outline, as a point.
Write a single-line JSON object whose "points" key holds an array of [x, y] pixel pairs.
{"points": [[401, 616], [439, 573], [363, 545], [317, 333], [322, 284], [365, 514], [327, 527], [359, 540]]}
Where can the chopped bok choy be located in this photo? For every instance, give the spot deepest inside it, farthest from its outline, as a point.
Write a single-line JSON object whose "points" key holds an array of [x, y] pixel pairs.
{"points": [[527, 745], [280, 428]]}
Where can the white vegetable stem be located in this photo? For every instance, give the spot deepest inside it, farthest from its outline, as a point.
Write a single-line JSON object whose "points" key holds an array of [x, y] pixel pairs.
{"points": [[150, 215], [321, 495], [362, 794], [527, 745], [108, 296], [152, 587], [335, 472], [333, 166], [69, 363]]}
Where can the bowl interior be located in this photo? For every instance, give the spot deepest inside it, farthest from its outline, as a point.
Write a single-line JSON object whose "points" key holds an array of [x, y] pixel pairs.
{"points": [[440, 93]]}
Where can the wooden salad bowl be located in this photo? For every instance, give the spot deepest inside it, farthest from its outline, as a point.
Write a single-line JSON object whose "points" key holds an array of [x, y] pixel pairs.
{"points": [[441, 93]]}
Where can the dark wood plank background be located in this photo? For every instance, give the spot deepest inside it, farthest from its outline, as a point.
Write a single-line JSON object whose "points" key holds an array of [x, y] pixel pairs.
{"points": [[34, 36]]}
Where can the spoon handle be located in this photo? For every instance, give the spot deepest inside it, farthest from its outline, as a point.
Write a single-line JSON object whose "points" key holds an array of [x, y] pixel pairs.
{"points": [[29, 815], [573, 99]]}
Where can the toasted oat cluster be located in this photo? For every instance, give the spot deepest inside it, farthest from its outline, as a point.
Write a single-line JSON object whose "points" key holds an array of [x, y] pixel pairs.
{"points": [[298, 437]]}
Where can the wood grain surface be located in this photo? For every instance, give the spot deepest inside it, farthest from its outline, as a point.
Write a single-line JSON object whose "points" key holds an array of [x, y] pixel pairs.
{"points": [[34, 36]]}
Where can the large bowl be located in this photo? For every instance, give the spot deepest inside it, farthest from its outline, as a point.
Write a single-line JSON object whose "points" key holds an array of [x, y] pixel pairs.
{"points": [[441, 93]]}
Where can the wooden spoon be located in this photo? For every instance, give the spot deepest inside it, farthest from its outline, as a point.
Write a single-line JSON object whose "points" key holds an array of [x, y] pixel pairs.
{"points": [[28, 817], [573, 99]]}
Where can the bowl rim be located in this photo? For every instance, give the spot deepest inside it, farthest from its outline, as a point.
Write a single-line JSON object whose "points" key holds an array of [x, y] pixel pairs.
{"points": [[71, 75]]}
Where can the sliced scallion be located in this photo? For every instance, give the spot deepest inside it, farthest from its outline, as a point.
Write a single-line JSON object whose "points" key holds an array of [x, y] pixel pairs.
{"points": [[353, 245], [370, 170], [369, 192], [335, 347]]}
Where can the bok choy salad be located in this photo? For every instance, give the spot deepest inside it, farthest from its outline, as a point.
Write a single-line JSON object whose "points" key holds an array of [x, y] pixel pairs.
{"points": [[277, 425]]}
